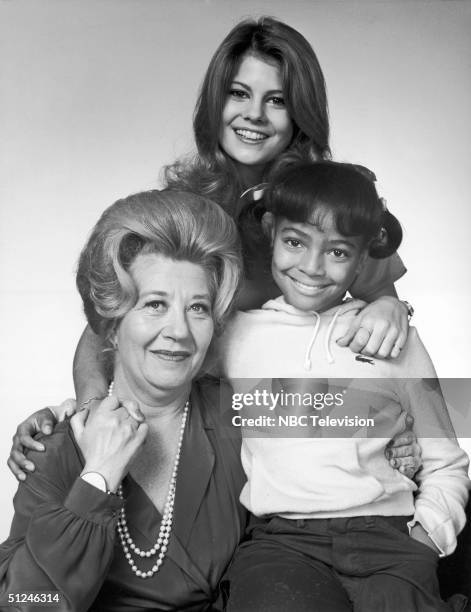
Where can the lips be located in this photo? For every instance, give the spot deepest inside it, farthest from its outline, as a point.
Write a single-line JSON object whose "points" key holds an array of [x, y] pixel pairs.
{"points": [[310, 289], [171, 355], [250, 136]]}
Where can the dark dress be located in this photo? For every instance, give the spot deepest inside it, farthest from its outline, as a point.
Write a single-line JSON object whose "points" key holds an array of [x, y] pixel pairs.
{"points": [[63, 535]]}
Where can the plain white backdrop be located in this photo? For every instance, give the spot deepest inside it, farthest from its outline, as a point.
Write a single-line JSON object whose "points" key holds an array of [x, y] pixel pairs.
{"points": [[97, 95]]}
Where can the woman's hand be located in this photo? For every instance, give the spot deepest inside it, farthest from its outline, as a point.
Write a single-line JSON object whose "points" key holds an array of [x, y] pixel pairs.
{"points": [[403, 451], [379, 330], [42, 421], [109, 437]]}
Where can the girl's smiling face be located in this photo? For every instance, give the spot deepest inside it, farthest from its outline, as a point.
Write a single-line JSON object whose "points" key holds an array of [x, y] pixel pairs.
{"points": [[256, 126], [313, 264]]}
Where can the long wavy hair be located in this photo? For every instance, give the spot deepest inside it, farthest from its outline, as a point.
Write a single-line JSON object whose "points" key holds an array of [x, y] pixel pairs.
{"points": [[211, 172]]}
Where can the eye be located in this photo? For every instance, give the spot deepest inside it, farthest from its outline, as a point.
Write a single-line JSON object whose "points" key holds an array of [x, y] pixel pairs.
{"points": [[156, 306], [294, 243], [277, 101], [238, 94], [340, 253], [200, 308]]}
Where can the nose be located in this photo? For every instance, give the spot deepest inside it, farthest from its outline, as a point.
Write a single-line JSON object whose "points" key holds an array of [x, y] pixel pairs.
{"points": [[312, 263], [255, 110], [176, 327]]}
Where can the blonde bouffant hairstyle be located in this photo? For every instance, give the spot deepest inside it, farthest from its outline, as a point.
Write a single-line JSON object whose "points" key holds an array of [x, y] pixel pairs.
{"points": [[179, 225]]}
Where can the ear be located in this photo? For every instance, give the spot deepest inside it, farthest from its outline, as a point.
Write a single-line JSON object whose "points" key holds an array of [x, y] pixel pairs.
{"points": [[268, 226]]}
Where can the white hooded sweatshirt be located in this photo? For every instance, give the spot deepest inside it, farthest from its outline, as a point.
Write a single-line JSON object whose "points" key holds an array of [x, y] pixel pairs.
{"points": [[325, 475]]}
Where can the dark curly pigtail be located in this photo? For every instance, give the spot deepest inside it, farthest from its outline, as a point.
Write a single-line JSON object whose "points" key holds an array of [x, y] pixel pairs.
{"points": [[389, 238]]}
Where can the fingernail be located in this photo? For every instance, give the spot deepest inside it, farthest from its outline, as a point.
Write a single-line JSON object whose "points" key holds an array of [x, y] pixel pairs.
{"points": [[40, 447], [47, 429], [22, 476], [29, 466], [394, 463]]}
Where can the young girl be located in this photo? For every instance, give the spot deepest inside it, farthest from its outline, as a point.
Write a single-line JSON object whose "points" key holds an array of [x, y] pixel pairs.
{"points": [[338, 528], [262, 105]]}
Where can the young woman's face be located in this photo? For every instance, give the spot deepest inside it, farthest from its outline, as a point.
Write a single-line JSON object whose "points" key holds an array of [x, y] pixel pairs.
{"points": [[256, 126], [314, 266]]}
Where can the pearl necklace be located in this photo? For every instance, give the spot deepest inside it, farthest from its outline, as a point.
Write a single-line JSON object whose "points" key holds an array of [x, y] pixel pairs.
{"points": [[161, 544]]}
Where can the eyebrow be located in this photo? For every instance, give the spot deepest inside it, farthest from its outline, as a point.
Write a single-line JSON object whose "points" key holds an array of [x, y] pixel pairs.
{"points": [[270, 91], [159, 293], [344, 242], [202, 296], [197, 296], [296, 230], [339, 241]]}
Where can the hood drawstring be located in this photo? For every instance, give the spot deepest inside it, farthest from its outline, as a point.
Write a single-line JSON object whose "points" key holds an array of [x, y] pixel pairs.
{"points": [[330, 329], [307, 359], [330, 358]]}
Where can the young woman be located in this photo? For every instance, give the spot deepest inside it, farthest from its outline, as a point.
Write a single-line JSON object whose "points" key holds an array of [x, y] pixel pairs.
{"points": [[262, 104]]}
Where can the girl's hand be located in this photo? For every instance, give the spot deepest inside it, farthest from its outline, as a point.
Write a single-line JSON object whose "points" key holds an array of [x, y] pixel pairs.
{"points": [[379, 330], [404, 452], [109, 437], [42, 421]]}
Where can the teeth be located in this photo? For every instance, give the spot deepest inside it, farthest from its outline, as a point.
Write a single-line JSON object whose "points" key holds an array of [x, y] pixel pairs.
{"points": [[309, 287], [251, 135]]}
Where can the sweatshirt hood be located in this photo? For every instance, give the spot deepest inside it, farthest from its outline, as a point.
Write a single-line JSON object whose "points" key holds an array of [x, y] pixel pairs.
{"points": [[330, 316]]}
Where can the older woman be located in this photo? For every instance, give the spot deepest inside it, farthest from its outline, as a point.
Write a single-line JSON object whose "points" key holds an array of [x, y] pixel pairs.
{"points": [[102, 524]]}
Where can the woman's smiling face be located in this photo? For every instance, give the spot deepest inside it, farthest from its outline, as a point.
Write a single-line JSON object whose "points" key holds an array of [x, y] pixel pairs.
{"points": [[313, 264], [256, 126], [162, 341]]}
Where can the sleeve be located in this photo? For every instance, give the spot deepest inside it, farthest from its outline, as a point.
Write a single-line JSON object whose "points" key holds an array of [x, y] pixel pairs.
{"points": [[376, 274], [62, 535], [443, 479]]}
